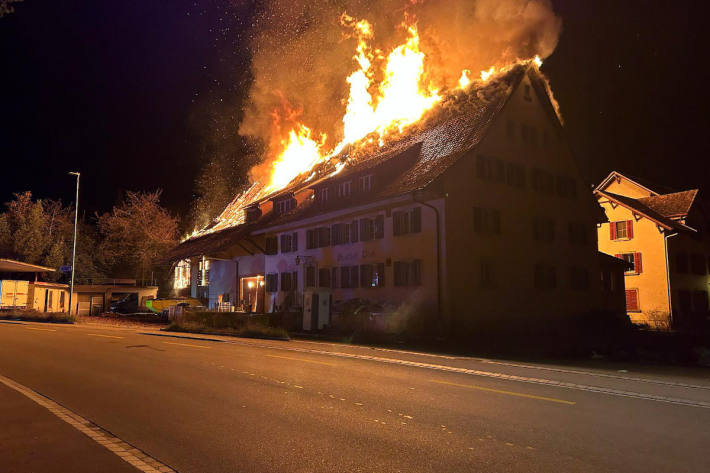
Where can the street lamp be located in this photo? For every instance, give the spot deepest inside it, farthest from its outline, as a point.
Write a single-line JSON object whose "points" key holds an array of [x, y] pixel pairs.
{"points": [[73, 253]]}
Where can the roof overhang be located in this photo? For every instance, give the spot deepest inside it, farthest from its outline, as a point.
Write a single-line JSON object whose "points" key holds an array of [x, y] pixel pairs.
{"points": [[13, 266]]}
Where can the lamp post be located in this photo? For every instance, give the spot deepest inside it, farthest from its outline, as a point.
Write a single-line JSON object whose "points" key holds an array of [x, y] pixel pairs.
{"points": [[73, 253]]}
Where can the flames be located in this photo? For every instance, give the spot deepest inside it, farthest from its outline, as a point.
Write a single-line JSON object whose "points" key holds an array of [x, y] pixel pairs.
{"points": [[374, 109], [387, 92]]}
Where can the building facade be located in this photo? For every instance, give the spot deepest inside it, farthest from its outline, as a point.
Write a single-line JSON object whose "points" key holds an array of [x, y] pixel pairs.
{"points": [[478, 214], [664, 239]]}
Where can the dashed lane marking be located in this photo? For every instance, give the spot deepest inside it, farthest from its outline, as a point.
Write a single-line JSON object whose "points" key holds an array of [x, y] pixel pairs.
{"points": [[104, 336], [188, 345], [509, 393], [42, 329], [301, 359], [124, 450]]}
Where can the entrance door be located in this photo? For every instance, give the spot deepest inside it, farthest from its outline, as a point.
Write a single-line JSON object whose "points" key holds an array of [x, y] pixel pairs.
{"points": [[46, 299], [314, 311]]}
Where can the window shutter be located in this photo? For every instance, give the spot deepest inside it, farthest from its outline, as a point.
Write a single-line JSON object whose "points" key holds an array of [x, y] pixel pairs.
{"points": [[629, 229], [415, 222], [294, 241], [637, 263], [334, 278], [353, 232], [380, 226], [354, 279], [632, 299], [380, 275], [396, 219], [612, 230]]}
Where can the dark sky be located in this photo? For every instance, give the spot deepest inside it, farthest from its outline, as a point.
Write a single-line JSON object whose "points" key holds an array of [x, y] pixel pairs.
{"points": [[111, 89]]}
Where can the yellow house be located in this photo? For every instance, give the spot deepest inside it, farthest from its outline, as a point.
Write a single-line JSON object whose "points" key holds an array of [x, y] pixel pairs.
{"points": [[665, 239], [48, 296]]}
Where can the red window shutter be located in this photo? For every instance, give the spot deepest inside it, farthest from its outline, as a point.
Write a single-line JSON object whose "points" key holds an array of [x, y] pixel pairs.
{"points": [[637, 263], [618, 255], [629, 229], [632, 299], [612, 230]]}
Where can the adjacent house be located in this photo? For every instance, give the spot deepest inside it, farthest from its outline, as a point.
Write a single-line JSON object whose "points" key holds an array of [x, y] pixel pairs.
{"points": [[665, 239], [479, 212], [21, 288]]}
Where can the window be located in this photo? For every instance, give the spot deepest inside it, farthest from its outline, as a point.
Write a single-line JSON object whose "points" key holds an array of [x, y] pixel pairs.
{"points": [[324, 277], [407, 273], [203, 273], [623, 230], [345, 189], [634, 261], [322, 195], [681, 262], [61, 299], [515, 175], [566, 187], [286, 243], [365, 183], [334, 278], [544, 229], [287, 281], [490, 169], [294, 241], [284, 205], [487, 274], [542, 181], [367, 229], [272, 282], [529, 134], [632, 300], [310, 276], [322, 237], [372, 275], [486, 221], [579, 278], [578, 233], [339, 232], [404, 222], [345, 277], [272, 246], [182, 275], [545, 276], [697, 264], [700, 301], [310, 239]]}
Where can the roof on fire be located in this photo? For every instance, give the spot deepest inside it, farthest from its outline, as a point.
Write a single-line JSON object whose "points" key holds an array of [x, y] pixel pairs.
{"points": [[439, 140]]}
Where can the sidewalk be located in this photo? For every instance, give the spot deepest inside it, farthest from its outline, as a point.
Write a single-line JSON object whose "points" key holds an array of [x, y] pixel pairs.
{"points": [[34, 440]]}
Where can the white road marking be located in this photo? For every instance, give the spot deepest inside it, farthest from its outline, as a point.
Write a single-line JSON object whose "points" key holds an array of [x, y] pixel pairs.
{"points": [[490, 374], [127, 452]]}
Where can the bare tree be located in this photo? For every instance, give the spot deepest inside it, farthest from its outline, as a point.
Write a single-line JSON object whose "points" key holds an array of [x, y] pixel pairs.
{"points": [[6, 8]]}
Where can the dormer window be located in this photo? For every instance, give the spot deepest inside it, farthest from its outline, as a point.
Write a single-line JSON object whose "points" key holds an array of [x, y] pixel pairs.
{"points": [[365, 183], [345, 189], [322, 195], [284, 205]]}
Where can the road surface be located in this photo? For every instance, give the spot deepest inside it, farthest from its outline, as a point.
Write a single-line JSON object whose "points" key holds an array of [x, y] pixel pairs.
{"points": [[239, 405]]}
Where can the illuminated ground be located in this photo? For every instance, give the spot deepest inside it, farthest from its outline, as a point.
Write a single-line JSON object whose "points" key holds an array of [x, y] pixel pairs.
{"points": [[250, 405]]}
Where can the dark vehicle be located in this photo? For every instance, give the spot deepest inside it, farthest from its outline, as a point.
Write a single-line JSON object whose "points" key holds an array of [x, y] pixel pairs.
{"points": [[127, 304]]}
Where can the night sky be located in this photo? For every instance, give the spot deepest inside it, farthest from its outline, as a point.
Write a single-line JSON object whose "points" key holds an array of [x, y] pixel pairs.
{"points": [[117, 90]]}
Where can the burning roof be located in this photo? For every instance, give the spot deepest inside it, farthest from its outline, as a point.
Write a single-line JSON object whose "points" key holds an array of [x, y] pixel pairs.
{"points": [[443, 135]]}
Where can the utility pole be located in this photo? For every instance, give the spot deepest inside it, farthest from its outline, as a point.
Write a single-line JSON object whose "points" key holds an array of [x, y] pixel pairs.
{"points": [[73, 253]]}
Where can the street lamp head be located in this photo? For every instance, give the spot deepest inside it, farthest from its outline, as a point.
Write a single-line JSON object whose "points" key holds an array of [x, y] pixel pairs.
{"points": [[72, 173]]}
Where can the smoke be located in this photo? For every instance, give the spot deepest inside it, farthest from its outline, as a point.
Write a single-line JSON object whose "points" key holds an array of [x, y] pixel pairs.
{"points": [[301, 54]]}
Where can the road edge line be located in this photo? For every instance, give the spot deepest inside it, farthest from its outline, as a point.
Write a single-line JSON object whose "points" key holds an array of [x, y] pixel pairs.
{"points": [[122, 449]]}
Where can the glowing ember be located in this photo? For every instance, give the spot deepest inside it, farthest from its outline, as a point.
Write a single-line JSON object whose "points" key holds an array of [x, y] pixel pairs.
{"points": [[485, 75], [464, 80]]}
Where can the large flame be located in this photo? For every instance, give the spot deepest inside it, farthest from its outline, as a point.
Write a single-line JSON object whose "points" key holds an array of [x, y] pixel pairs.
{"points": [[399, 100]]}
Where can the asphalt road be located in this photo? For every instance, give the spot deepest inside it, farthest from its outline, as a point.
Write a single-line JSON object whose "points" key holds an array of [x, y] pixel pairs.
{"points": [[252, 405]]}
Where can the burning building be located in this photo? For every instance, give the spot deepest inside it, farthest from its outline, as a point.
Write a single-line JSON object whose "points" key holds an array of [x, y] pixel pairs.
{"points": [[474, 211]]}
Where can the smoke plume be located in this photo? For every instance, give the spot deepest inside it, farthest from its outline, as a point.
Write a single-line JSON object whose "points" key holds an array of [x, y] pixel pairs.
{"points": [[302, 54]]}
